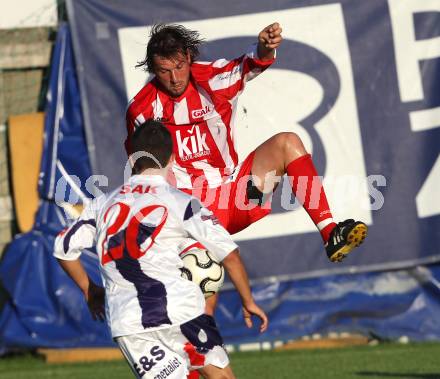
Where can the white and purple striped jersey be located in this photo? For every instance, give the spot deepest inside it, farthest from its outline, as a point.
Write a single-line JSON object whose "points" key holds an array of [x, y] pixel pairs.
{"points": [[137, 231], [201, 120]]}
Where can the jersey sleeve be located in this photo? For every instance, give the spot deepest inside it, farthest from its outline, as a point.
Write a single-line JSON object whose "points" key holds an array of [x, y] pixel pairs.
{"points": [[201, 224], [80, 235], [139, 109], [130, 122], [230, 77]]}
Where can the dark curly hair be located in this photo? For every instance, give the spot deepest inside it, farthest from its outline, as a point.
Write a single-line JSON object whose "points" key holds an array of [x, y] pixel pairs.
{"points": [[167, 40]]}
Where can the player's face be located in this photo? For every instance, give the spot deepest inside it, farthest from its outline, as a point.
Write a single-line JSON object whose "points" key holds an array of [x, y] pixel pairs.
{"points": [[173, 73]]}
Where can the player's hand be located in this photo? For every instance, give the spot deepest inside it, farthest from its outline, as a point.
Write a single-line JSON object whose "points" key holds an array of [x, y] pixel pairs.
{"points": [[268, 40], [95, 300], [253, 309]]}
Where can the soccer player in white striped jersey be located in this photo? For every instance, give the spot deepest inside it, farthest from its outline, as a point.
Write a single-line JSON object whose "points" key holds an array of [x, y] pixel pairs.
{"points": [[197, 102], [156, 316]]}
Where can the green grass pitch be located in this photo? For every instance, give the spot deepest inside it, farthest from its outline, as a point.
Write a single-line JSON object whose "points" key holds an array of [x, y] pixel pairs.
{"points": [[413, 361]]}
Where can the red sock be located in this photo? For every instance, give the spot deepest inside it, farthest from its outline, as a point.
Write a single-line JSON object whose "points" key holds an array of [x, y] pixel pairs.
{"points": [[193, 375], [308, 189]]}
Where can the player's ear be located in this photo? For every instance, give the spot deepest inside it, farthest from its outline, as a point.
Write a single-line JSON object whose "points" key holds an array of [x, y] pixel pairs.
{"points": [[171, 160], [131, 160], [188, 56]]}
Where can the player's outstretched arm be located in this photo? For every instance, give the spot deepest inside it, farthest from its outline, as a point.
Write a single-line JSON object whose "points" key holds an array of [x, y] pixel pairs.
{"points": [[67, 249], [268, 40], [237, 272], [93, 294]]}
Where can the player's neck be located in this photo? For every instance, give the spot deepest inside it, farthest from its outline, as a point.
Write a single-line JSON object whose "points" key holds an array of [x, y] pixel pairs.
{"points": [[163, 172], [154, 172]]}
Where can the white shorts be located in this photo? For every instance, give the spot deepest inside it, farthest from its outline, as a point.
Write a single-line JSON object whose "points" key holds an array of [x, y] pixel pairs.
{"points": [[170, 353]]}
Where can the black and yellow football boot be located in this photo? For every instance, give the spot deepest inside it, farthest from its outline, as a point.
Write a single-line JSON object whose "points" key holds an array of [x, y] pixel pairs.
{"points": [[344, 238]]}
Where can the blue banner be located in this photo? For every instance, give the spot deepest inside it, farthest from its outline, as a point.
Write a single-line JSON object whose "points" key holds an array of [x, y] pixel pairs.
{"points": [[65, 167], [357, 80], [383, 305], [44, 307]]}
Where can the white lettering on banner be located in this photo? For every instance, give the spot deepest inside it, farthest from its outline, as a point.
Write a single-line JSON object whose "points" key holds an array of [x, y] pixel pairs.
{"points": [[294, 95], [409, 52], [198, 147], [427, 200], [425, 119]]}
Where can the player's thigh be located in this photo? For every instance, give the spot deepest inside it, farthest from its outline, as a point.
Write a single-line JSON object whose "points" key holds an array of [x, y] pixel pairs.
{"points": [[212, 372], [211, 304], [151, 359], [273, 155], [243, 210]]}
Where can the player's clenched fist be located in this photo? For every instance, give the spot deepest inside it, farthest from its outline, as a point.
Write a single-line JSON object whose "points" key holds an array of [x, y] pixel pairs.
{"points": [[268, 40], [95, 300]]}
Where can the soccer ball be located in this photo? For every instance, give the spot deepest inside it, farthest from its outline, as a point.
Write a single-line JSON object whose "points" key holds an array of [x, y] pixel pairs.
{"points": [[200, 266]]}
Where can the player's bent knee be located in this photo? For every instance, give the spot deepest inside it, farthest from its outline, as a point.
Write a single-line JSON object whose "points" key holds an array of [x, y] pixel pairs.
{"points": [[291, 139], [211, 304], [290, 143]]}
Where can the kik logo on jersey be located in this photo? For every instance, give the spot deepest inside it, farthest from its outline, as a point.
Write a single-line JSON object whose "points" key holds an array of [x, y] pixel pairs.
{"points": [[193, 145]]}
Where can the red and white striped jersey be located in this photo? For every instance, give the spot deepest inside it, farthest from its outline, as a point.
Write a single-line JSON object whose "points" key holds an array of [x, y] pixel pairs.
{"points": [[201, 120]]}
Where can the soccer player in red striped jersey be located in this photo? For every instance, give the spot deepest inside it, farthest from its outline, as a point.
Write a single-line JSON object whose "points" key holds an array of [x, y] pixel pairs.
{"points": [[197, 102]]}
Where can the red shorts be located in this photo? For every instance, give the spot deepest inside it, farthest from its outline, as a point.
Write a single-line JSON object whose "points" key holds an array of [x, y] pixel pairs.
{"points": [[230, 202]]}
